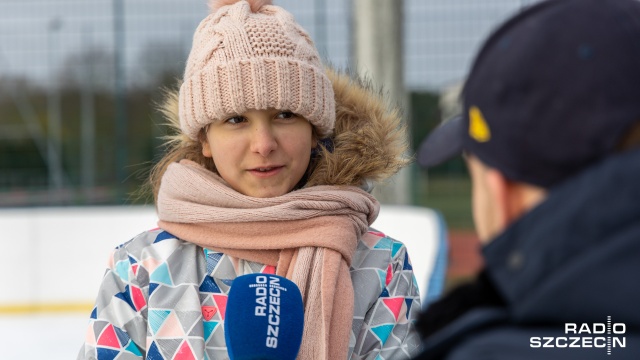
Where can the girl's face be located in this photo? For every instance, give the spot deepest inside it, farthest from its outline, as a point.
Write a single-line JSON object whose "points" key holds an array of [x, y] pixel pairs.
{"points": [[261, 153]]}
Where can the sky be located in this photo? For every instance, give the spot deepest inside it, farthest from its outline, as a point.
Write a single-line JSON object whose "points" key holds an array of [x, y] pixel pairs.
{"points": [[37, 37]]}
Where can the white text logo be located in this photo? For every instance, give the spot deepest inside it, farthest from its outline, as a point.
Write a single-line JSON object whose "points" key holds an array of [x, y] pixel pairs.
{"points": [[603, 335]]}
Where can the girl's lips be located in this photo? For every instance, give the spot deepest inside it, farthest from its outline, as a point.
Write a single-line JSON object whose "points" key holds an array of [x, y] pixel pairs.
{"points": [[274, 170]]}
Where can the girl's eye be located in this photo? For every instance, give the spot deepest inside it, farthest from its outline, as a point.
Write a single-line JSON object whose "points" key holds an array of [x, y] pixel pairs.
{"points": [[285, 115], [235, 120]]}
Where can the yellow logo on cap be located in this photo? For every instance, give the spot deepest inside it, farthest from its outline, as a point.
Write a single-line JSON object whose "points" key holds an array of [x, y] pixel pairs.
{"points": [[478, 128]]}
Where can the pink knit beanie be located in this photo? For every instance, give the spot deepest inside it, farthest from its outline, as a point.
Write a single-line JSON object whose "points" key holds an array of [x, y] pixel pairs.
{"points": [[253, 55]]}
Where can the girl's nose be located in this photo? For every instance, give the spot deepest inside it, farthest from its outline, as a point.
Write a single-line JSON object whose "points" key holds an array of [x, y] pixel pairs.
{"points": [[263, 140]]}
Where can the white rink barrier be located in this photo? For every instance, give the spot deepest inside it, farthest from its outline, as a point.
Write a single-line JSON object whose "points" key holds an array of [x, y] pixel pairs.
{"points": [[55, 257]]}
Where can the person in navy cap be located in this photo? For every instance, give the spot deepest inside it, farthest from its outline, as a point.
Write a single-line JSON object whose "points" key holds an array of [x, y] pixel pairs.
{"points": [[550, 130]]}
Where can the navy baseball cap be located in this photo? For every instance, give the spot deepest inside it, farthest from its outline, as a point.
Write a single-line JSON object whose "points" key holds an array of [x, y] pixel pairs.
{"points": [[551, 92]]}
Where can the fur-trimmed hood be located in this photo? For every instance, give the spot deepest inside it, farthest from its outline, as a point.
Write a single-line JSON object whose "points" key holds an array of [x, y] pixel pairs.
{"points": [[369, 141]]}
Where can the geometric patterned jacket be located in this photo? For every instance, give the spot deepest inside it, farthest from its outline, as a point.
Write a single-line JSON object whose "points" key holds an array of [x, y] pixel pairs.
{"points": [[165, 298]]}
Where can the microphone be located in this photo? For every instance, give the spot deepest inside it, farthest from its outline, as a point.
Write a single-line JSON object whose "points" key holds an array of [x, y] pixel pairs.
{"points": [[264, 318]]}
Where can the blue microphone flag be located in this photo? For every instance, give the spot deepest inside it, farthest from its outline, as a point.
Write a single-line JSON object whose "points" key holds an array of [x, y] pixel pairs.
{"points": [[264, 318]]}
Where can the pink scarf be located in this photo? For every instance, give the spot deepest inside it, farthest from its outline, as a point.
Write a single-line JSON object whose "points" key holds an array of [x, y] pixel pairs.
{"points": [[309, 234]]}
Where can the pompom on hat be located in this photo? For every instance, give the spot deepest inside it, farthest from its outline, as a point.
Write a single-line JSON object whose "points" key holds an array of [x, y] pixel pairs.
{"points": [[250, 54], [215, 5]]}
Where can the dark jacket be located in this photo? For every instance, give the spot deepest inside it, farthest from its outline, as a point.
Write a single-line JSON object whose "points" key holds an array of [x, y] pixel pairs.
{"points": [[575, 258]]}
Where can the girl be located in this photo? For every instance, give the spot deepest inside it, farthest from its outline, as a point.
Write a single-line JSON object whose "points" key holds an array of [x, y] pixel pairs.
{"points": [[269, 173]]}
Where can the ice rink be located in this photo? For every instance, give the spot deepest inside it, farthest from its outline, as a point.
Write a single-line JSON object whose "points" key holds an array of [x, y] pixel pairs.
{"points": [[42, 336]]}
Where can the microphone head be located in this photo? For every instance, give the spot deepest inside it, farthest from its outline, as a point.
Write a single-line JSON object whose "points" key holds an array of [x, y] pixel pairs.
{"points": [[264, 318]]}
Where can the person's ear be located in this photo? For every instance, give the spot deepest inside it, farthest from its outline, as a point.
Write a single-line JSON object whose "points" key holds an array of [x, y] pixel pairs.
{"points": [[202, 137], [522, 198], [499, 189], [206, 150], [512, 199]]}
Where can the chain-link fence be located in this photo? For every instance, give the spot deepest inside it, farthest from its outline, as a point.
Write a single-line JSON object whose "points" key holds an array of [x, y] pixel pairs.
{"points": [[79, 81]]}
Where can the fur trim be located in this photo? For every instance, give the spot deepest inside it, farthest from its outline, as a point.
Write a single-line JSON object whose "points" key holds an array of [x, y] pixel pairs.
{"points": [[170, 110], [215, 5], [370, 139], [369, 142]]}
